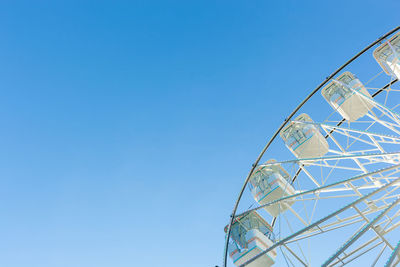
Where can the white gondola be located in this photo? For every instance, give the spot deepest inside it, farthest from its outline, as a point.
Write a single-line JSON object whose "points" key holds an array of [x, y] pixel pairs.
{"points": [[303, 138], [388, 56], [269, 183], [348, 96], [251, 235]]}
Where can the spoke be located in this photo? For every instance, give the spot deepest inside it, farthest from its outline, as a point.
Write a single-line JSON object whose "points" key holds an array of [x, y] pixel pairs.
{"points": [[294, 254], [356, 256], [298, 245], [340, 223], [342, 130], [377, 232], [379, 255], [360, 233], [365, 245], [309, 161], [315, 190], [315, 224]]}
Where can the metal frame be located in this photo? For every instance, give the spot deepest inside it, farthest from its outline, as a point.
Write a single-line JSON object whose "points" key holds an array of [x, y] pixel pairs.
{"points": [[329, 133]]}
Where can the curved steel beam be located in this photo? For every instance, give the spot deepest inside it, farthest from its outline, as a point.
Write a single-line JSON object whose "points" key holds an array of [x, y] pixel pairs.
{"points": [[232, 217]]}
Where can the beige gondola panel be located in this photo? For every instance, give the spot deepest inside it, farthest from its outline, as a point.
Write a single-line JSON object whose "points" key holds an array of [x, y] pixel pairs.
{"points": [[251, 235], [388, 56], [303, 138], [271, 182], [348, 96]]}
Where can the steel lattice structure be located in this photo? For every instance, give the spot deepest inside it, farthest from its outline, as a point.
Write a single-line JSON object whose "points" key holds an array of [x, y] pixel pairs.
{"points": [[337, 203]]}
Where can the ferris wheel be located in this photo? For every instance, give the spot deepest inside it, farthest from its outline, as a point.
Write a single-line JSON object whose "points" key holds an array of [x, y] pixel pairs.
{"points": [[325, 190]]}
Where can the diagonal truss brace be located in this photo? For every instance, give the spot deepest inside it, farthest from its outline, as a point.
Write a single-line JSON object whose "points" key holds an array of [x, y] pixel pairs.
{"points": [[315, 224], [321, 188], [360, 233]]}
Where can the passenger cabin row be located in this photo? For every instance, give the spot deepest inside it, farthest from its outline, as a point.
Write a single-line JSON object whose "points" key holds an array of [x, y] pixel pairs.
{"points": [[250, 233]]}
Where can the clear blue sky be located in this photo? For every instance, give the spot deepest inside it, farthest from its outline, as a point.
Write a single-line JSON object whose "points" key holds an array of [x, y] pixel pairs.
{"points": [[129, 126]]}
